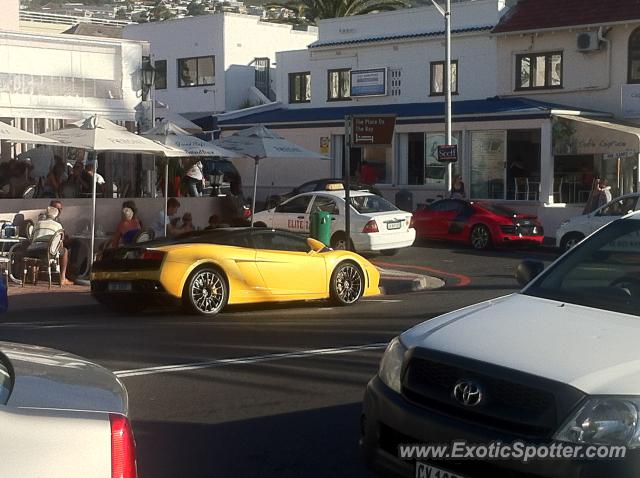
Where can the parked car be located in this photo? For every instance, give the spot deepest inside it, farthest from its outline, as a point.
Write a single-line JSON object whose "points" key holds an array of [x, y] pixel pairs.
{"points": [[318, 185], [376, 224], [206, 270], [62, 416], [577, 228], [480, 224], [556, 363]]}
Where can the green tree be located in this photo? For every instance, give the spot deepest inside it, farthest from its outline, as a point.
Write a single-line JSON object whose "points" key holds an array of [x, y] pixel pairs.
{"points": [[310, 11], [196, 8], [160, 12]]}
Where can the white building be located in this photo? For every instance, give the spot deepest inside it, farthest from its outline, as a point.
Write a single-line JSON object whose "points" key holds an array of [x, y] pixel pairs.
{"points": [[205, 64], [508, 135]]}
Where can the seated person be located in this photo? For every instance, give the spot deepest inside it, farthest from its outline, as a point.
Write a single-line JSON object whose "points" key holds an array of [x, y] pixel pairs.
{"points": [[79, 179], [187, 223], [127, 229], [42, 233]]}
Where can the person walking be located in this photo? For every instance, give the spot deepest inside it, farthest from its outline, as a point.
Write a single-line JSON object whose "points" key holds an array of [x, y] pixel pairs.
{"points": [[194, 179]]}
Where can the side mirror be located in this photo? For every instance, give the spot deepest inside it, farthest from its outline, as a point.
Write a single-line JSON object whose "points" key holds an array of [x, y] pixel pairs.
{"points": [[315, 245], [528, 270]]}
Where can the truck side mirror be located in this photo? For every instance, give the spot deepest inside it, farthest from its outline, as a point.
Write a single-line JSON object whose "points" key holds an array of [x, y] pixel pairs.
{"points": [[528, 270]]}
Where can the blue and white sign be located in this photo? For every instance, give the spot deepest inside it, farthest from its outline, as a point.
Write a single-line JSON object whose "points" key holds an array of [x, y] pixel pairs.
{"points": [[369, 82]]}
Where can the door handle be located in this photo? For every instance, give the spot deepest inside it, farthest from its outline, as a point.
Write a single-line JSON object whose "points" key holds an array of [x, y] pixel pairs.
{"points": [[300, 217]]}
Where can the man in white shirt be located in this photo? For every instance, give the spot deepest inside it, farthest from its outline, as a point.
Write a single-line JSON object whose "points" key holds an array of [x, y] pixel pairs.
{"points": [[172, 229], [195, 179], [42, 233]]}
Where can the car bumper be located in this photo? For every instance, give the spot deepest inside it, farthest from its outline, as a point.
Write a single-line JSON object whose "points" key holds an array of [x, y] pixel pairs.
{"points": [[388, 419], [516, 238], [148, 292], [379, 241]]}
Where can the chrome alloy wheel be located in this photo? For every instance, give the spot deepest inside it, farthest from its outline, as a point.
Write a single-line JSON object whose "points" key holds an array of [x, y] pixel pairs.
{"points": [[349, 284], [480, 237], [208, 292]]}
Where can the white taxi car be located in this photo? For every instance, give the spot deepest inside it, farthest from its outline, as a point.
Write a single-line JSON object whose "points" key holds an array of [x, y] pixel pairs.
{"points": [[376, 224], [577, 228]]}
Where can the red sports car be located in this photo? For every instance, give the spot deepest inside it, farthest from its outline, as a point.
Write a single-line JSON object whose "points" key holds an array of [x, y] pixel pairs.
{"points": [[481, 224]]}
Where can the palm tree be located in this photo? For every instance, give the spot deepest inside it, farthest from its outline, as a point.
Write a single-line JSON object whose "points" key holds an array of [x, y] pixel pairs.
{"points": [[310, 11]]}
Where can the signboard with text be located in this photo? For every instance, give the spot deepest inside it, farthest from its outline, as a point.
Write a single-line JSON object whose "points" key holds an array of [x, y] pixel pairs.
{"points": [[448, 153], [373, 130], [369, 82]]}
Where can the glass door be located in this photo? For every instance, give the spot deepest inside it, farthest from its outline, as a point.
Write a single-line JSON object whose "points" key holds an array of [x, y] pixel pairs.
{"points": [[488, 157]]}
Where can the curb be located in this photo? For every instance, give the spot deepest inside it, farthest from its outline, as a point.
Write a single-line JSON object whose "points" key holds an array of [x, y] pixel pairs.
{"points": [[400, 282]]}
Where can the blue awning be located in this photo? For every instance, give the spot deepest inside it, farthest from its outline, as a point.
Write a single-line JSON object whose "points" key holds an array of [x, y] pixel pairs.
{"points": [[490, 109]]}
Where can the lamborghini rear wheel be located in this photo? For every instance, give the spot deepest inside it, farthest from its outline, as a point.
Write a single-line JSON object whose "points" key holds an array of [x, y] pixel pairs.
{"points": [[347, 284], [206, 292]]}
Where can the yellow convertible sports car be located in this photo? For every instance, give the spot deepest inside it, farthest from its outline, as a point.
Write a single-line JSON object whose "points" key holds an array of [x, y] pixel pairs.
{"points": [[207, 270]]}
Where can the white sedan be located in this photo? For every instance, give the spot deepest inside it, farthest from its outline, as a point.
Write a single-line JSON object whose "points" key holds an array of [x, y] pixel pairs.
{"points": [[376, 224], [61, 417], [577, 228]]}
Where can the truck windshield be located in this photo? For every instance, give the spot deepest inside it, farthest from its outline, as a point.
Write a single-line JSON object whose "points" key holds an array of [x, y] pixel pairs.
{"points": [[5, 381], [602, 272]]}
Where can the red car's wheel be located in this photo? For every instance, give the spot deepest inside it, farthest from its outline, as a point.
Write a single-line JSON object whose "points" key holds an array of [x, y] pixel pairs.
{"points": [[480, 237]]}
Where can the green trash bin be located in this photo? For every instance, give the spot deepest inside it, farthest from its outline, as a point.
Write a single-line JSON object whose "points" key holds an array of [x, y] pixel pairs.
{"points": [[321, 226]]}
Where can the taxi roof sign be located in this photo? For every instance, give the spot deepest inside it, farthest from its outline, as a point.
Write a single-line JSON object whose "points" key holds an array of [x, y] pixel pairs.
{"points": [[334, 187]]}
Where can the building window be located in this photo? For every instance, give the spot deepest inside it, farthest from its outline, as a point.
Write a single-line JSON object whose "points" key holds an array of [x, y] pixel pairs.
{"points": [[539, 71], [395, 85], [437, 77], [161, 74], [339, 82], [300, 87], [634, 56], [196, 71]]}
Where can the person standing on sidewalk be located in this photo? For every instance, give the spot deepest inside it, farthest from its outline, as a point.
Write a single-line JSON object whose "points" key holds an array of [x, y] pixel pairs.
{"points": [[194, 179]]}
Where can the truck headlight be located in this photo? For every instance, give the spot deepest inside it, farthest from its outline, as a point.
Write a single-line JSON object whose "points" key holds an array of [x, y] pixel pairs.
{"points": [[604, 421], [391, 364]]}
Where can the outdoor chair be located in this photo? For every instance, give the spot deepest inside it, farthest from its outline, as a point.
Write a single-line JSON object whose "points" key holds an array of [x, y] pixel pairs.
{"points": [[521, 188], [45, 252], [557, 187]]}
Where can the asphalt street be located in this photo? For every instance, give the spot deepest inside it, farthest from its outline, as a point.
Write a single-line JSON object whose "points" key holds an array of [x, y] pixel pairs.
{"points": [[259, 391]]}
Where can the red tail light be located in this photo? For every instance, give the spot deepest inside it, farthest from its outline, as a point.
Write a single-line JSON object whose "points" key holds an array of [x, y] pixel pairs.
{"points": [[412, 222], [151, 255], [246, 213], [371, 226], [123, 448]]}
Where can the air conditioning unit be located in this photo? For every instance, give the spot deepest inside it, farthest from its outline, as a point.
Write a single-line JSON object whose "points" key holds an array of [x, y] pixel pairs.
{"points": [[587, 41]]}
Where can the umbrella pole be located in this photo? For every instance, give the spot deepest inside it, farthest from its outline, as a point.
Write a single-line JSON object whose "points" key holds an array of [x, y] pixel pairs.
{"points": [[93, 209], [255, 189], [166, 194]]}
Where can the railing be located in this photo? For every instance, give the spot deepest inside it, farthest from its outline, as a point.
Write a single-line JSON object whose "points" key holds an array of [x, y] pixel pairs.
{"points": [[40, 17]]}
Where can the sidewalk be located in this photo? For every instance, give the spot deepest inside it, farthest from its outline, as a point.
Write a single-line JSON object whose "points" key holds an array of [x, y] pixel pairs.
{"points": [[393, 281]]}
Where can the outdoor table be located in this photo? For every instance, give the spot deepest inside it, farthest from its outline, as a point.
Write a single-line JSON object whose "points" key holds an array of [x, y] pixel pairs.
{"points": [[7, 245], [81, 256]]}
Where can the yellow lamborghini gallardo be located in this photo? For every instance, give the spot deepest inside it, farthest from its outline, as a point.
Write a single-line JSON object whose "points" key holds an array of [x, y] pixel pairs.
{"points": [[207, 270]]}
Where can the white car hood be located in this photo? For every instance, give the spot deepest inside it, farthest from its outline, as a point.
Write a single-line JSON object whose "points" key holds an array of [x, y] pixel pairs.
{"points": [[48, 378], [594, 350]]}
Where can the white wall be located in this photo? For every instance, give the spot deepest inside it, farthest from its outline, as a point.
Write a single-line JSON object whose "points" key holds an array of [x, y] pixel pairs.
{"points": [[590, 80], [27, 60], [235, 41], [425, 19], [9, 20], [186, 38], [475, 53]]}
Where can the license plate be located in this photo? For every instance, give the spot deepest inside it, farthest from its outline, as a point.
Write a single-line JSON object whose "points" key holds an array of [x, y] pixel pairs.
{"points": [[394, 225], [427, 471], [119, 286]]}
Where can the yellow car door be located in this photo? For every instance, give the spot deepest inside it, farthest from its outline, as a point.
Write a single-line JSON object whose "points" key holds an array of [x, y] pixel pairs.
{"points": [[287, 266]]}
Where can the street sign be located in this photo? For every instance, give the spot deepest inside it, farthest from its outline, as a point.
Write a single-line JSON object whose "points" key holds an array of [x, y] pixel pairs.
{"points": [[448, 153], [373, 130]]}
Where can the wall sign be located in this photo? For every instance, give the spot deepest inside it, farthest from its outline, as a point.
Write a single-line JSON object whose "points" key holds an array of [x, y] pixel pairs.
{"points": [[630, 99], [372, 130], [369, 82]]}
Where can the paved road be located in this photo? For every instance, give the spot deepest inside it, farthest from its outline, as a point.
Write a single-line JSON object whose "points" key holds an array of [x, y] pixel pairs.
{"points": [[258, 392]]}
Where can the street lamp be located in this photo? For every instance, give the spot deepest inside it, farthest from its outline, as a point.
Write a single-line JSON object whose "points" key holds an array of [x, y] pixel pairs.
{"points": [[148, 77], [446, 13]]}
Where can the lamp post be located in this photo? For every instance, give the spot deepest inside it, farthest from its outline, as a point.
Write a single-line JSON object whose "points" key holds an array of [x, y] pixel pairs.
{"points": [[148, 73], [446, 13]]}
